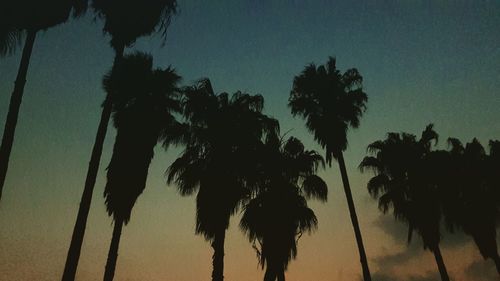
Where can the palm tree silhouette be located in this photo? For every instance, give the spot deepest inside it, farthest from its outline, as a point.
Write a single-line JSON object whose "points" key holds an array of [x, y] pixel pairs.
{"points": [[221, 137], [470, 193], [125, 21], [402, 184], [278, 215], [332, 102], [19, 18], [142, 115]]}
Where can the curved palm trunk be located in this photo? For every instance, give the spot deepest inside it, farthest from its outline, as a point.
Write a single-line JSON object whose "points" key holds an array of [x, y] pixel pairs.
{"points": [[109, 271], [440, 264], [218, 257], [83, 211], [354, 218], [15, 104]]}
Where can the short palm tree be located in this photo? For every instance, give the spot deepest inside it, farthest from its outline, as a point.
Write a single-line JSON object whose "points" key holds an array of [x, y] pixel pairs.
{"points": [[278, 215], [332, 102], [402, 184], [125, 21], [19, 18], [470, 194], [142, 116], [221, 137]]}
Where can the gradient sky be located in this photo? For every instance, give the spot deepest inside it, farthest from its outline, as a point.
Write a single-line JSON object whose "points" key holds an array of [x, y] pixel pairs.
{"points": [[422, 61]]}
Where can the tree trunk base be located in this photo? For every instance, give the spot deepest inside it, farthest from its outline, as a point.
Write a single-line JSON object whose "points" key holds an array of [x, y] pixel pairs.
{"points": [[109, 271], [440, 263]]}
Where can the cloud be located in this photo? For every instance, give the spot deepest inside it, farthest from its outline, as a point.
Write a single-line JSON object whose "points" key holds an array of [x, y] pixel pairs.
{"points": [[398, 231], [392, 260], [482, 270], [378, 276], [399, 234], [429, 276]]}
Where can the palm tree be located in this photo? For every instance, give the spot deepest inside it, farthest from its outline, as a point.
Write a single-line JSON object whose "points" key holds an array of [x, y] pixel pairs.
{"points": [[401, 183], [222, 135], [125, 21], [332, 102], [470, 194], [17, 19], [278, 215], [142, 116]]}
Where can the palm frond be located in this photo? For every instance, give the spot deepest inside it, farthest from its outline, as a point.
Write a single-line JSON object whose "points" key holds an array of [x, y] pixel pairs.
{"points": [[10, 40], [315, 187]]}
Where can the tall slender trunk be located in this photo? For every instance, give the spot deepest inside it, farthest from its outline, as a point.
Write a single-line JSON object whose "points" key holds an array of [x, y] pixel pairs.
{"points": [[109, 271], [218, 257], [440, 264], [83, 211], [15, 104], [354, 218], [270, 274], [281, 274]]}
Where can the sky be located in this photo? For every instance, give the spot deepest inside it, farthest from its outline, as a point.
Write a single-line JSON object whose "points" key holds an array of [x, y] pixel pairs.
{"points": [[431, 61]]}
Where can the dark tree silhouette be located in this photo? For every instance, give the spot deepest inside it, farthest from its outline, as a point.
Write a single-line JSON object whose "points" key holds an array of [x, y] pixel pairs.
{"points": [[143, 116], [278, 215], [124, 21], [402, 183], [19, 18], [221, 135], [332, 102], [470, 192]]}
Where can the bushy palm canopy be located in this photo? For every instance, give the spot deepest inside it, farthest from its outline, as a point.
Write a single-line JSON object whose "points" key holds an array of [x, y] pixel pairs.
{"points": [[19, 16], [279, 213], [331, 102], [221, 136], [401, 182], [471, 192], [143, 115], [127, 20]]}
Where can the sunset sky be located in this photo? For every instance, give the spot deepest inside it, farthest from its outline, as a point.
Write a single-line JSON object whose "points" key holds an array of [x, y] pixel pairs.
{"points": [[432, 61]]}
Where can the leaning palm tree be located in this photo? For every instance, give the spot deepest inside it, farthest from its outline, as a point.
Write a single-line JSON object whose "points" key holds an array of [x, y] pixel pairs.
{"points": [[222, 135], [142, 116], [402, 183], [125, 21], [21, 18], [332, 102], [278, 215], [470, 194]]}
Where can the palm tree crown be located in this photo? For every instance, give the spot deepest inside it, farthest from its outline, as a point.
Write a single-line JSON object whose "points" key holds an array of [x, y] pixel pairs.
{"points": [[127, 20], [143, 109], [403, 183], [400, 182], [279, 214], [331, 102], [223, 132], [17, 17], [142, 113], [221, 136], [470, 189]]}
